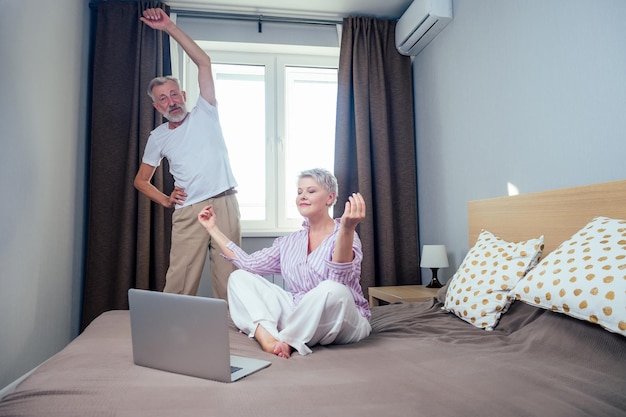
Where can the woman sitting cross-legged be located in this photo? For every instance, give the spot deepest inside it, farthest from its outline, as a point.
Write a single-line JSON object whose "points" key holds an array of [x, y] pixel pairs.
{"points": [[321, 265]]}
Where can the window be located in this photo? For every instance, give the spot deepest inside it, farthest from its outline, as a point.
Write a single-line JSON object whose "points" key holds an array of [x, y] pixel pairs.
{"points": [[277, 113]]}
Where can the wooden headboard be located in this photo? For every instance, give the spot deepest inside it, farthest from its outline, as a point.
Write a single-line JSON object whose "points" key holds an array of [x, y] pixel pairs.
{"points": [[555, 214]]}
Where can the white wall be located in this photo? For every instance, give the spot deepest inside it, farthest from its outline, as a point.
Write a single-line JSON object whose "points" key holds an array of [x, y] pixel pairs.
{"points": [[529, 92], [43, 53]]}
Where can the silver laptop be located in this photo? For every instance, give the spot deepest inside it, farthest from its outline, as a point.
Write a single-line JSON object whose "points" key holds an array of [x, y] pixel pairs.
{"points": [[186, 335]]}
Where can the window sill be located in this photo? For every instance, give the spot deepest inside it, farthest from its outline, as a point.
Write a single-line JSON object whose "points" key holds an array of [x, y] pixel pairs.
{"points": [[265, 233]]}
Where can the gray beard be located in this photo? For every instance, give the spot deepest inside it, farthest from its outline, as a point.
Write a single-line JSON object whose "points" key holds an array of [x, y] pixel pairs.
{"points": [[176, 119]]}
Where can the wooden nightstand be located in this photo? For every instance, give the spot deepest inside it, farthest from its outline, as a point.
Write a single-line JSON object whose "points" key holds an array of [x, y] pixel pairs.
{"points": [[400, 294]]}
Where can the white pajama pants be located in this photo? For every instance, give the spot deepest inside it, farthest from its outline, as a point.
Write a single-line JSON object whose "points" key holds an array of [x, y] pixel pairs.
{"points": [[327, 314]]}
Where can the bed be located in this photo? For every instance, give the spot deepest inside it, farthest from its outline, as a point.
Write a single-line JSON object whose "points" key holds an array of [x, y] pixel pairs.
{"points": [[422, 359]]}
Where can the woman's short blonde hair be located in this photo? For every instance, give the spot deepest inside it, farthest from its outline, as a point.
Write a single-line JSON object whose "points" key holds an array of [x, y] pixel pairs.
{"points": [[324, 178]]}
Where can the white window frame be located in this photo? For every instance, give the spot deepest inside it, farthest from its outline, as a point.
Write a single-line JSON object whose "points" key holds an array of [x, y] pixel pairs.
{"points": [[273, 58]]}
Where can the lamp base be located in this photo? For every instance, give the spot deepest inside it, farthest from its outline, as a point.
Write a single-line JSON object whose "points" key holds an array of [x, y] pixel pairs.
{"points": [[434, 283]]}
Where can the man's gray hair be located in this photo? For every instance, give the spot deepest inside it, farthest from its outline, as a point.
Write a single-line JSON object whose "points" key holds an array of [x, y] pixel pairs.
{"points": [[160, 81]]}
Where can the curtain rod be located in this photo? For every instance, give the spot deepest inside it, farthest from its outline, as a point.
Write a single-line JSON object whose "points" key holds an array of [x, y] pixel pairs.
{"points": [[93, 4], [260, 18]]}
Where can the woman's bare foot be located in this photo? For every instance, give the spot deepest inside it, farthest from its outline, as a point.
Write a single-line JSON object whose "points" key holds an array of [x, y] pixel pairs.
{"points": [[282, 350], [270, 345]]}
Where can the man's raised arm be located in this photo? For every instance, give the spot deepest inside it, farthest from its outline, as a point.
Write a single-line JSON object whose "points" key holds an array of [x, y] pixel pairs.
{"points": [[158, 19]]}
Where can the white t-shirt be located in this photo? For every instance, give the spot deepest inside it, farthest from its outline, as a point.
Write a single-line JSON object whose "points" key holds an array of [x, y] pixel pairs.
{"points": [[196, 153]]}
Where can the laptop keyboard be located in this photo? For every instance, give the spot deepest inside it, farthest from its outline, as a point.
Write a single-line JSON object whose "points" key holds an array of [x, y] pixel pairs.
{"points": [[234, 369]]}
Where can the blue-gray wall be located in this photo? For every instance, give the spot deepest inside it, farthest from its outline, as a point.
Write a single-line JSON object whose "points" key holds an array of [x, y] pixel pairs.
{"points": [[529, 92], [43, 54]]}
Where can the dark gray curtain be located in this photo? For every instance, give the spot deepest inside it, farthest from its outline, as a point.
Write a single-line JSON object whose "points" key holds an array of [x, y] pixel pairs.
{"points": [[128, 237], [375, 149]]}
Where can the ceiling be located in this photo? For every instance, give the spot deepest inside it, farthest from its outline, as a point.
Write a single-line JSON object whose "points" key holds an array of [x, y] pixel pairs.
{"points": [[329, 9]]}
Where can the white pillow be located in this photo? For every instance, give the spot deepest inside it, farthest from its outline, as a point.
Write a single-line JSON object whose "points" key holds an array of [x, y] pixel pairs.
{"points": [[477, 293], [585, 277]]}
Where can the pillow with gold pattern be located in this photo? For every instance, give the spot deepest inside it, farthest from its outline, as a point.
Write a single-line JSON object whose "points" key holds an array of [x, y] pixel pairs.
{"points": [[477, 292], [585, 277]]}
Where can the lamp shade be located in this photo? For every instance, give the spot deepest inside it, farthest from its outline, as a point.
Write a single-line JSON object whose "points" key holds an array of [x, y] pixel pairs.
{"points": [[434, 256]]}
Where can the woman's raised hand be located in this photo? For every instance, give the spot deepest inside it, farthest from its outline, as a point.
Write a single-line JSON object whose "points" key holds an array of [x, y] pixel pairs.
{"points": [[207, 218], [354, 211]]}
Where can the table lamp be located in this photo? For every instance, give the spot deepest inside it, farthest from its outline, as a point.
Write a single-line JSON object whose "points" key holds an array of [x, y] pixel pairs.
{"points": [[434, 257]]}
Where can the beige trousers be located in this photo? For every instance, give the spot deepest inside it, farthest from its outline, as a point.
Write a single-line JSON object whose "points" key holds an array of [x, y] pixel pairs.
{"points": [[189, 247]]}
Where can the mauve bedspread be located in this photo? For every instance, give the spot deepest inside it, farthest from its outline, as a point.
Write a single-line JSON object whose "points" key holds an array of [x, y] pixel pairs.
{"points": [[419, 361]]}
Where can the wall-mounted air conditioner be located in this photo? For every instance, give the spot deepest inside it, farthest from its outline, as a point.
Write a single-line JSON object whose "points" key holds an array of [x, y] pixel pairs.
{"points": [[420, 23]]}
